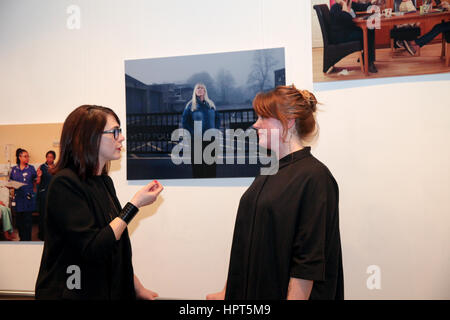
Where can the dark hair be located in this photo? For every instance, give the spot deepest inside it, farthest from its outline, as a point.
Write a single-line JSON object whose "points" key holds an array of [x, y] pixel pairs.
{"points": [[287, 102], [51, 152], [80, 140], [19, 151]]}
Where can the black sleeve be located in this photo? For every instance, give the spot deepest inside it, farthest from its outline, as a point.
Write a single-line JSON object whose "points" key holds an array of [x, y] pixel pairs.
{"points": [[357, 7], [112, 190], [69, 210], [339, 17], [308, 256]]}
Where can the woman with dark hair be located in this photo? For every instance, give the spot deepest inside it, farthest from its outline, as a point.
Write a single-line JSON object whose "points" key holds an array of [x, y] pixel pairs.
{"points": [[286, 242], [87, 249], [24, 197], [45, 173]]}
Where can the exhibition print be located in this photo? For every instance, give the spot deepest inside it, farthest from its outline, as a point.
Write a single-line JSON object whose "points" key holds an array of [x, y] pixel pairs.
{"points": [[28, 153], [366, 39], [192, 116]]}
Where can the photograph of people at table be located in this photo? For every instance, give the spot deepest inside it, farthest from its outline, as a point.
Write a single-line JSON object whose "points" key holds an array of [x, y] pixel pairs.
{"points": [[364, 39]]}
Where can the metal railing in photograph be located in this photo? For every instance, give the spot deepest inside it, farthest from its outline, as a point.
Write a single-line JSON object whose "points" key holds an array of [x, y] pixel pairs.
{"points": [[150, 133]]}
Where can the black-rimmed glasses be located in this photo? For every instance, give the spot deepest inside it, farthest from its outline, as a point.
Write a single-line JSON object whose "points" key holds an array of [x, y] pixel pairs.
{"points": [[115, 131]]}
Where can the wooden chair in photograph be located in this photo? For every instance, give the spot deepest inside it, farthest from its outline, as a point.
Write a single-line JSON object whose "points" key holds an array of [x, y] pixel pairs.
{"points": [[332, 52], [446, 48]]}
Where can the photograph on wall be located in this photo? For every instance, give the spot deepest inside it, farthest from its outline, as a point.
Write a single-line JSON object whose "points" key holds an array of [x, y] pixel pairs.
{"points": [[400, 37], [27, 154], [192, 116]]}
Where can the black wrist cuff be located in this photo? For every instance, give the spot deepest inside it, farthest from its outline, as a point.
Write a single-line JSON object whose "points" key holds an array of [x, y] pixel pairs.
{"points": [[128, 212]]}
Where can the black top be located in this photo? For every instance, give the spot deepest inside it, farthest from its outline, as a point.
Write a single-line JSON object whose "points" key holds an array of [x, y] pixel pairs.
{"points": [[77, 232], [45, 178], [287, 225], [341, 22]]}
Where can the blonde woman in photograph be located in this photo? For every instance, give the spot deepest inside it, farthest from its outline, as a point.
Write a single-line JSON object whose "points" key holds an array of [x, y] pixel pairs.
{"points": [[200, 109]]}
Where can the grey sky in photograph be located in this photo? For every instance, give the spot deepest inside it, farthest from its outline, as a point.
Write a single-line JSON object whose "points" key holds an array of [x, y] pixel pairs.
{"points": [[179, 69]]}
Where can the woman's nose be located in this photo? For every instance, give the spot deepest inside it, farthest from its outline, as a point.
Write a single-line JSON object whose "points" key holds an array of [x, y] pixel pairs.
{"points": [[256, 124]]}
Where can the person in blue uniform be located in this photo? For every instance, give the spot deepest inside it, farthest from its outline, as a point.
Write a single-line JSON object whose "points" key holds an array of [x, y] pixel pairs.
{"points": [[44, 172], [286, 242], [24, 197], [202, 109]]}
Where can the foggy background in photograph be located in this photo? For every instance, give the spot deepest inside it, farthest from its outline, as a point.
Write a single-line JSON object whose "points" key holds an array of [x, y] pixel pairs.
{"points": [[231, 79]]}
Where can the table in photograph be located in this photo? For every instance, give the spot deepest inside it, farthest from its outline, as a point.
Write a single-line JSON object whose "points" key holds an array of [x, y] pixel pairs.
{"points": [[437, 16]]}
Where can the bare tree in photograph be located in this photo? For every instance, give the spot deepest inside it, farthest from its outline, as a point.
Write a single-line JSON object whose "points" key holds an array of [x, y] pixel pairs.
{"points": [[225, 84], [261, 77]]}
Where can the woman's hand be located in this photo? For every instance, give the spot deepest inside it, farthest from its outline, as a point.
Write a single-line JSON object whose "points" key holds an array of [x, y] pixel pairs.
{"points": [[141, 292], [345, 6], [145, 294], [38, 179], [147, 195], [216, 296]]}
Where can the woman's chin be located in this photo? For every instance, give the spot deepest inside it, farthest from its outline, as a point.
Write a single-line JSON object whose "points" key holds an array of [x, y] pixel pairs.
{"points": [[116, 156], [263, 144]]}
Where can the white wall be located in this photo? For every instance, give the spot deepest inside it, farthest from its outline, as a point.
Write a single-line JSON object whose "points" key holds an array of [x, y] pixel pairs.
{"points": [[387, 145], [386, 141]]}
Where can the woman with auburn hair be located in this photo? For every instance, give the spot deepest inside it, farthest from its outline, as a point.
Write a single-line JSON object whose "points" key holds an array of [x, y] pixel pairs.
{"points": [[203, 110], [286, 242], [87, 249]]}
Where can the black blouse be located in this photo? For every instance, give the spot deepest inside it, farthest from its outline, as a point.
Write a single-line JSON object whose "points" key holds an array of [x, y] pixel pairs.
{"points": [[287, 225], [341, 22], [77, 232]]}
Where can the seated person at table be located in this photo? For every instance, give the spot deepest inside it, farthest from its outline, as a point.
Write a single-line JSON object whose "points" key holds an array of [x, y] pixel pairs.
{"points": [[406, 6], [444, 5], [442, 27], [343, 29]]}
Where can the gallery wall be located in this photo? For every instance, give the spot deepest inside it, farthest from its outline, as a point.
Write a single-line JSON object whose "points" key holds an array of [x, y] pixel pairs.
{"points": [[386, 141], [39, 138]]}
